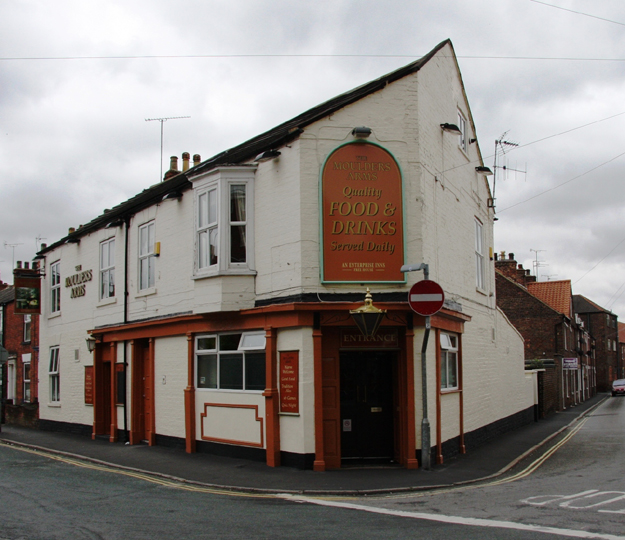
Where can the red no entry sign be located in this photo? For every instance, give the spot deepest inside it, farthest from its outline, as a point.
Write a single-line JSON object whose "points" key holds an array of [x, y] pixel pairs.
{"points": [[426, 297]]}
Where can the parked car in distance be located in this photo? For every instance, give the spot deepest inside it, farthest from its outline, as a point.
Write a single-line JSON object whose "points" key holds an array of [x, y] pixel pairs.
{"points": [[618, 387]]}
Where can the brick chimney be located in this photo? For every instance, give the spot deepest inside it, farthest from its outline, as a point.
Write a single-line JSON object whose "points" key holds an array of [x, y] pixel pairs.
{"points": [[507, 266], [186, 157], [173, 168]]}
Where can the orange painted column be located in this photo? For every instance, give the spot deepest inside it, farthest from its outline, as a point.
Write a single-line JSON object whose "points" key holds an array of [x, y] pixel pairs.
{"points": [[411, 450], [463, 449], [152, 427], [97, 360], [439, 433], [272, 399], [319, 463], [189, 397], [113, 427]]}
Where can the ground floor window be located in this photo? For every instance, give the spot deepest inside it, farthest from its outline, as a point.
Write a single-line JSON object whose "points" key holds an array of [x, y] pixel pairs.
{"points": [[231, 361], [55, 381], [27, 382], [449, 361]]}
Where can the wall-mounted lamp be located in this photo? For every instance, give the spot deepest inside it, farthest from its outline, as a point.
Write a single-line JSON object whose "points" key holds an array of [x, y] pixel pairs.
{"points": [[361, 132], [90, 343], [451, 128], [267, 156], [368, 317], [484, 170], [173, 196]]}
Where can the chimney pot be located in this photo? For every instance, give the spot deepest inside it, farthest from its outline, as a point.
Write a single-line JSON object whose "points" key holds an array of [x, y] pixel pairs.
{"points": [[19, 264], [185, 161], [196, 159], [503, 255], [71, 230], [511, 256], [26, 265], [44, 246], [173, 163]]}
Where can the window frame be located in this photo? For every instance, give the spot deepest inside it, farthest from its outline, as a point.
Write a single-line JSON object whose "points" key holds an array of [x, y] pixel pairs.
{"points": [[28, 328], [147, 257], [107, 269], [27, 378], [55, 287], [54, 375], [449, 350], [221, 182], [463, 138], [218, 357], [480, 259]]}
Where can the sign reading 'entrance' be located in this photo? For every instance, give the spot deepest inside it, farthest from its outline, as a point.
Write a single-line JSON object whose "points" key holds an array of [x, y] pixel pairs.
{"points": [[362, 215]]}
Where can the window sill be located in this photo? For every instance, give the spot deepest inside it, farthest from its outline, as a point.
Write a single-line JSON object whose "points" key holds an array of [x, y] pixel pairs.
{"points": [[55, 404], [54, 315], [228, 391], [146, 292], [450, 391], [481, 291], [229, 272], [107, 301]]}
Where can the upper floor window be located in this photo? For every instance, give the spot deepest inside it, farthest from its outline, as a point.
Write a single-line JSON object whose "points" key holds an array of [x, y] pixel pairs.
{"points": [[463, 137], [207, 228], [449, 361], [146, 256], [479, 254], [107, 268], [27, 328], [224, 202], [55, 287]]}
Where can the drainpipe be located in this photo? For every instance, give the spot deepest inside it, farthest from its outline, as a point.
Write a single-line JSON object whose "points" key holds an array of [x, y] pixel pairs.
{"points": [[126, 236]]}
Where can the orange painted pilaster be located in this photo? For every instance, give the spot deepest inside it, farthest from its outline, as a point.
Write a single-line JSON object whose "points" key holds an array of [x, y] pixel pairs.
{"points": [[411, 450], [97, 360], [272, 399], [439, 435], [189, 397], [135, 395], [113, 427], [152, 428], [319, 463], [463, 449]]}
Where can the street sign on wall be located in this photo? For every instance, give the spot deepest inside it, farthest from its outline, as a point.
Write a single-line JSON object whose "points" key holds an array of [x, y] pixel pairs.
{"points": [[426, 297]]}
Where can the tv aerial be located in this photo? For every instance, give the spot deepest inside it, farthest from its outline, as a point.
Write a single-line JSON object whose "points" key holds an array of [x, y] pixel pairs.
{"points": [[502, 147]]}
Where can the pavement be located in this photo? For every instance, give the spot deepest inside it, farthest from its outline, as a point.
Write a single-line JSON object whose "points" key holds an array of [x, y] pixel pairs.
{"points": [[492, 459]]}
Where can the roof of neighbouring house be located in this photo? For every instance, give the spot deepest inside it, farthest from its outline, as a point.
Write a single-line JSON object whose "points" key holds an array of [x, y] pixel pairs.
{"points": [[584, 305], [556, 294], [7, 295]]}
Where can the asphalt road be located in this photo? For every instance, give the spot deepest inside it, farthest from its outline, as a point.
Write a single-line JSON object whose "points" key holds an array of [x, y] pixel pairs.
{"points": [[576, 485], [568, 490]]}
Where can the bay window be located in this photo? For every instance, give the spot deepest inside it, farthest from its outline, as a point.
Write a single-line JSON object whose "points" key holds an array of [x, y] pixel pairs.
{"points": [[223, 210]]}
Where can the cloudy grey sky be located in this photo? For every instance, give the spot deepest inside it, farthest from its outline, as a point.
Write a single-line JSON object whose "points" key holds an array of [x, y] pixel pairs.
{"points": [[78, 79]]}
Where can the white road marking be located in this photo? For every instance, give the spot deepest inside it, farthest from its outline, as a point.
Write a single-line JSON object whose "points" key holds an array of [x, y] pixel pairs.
{"points": [[455, 520]]}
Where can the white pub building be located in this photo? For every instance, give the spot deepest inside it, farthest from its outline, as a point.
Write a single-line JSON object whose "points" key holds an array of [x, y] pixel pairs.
{"points": [[212, 310]]}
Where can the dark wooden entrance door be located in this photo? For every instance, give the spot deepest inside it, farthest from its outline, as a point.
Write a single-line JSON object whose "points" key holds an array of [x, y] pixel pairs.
{"points": [[366, 379]]}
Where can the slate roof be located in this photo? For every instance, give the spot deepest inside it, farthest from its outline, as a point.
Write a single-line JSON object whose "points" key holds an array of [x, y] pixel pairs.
{"points": [[582, 304], [274, 138], [556, 294], [7, 295]]}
